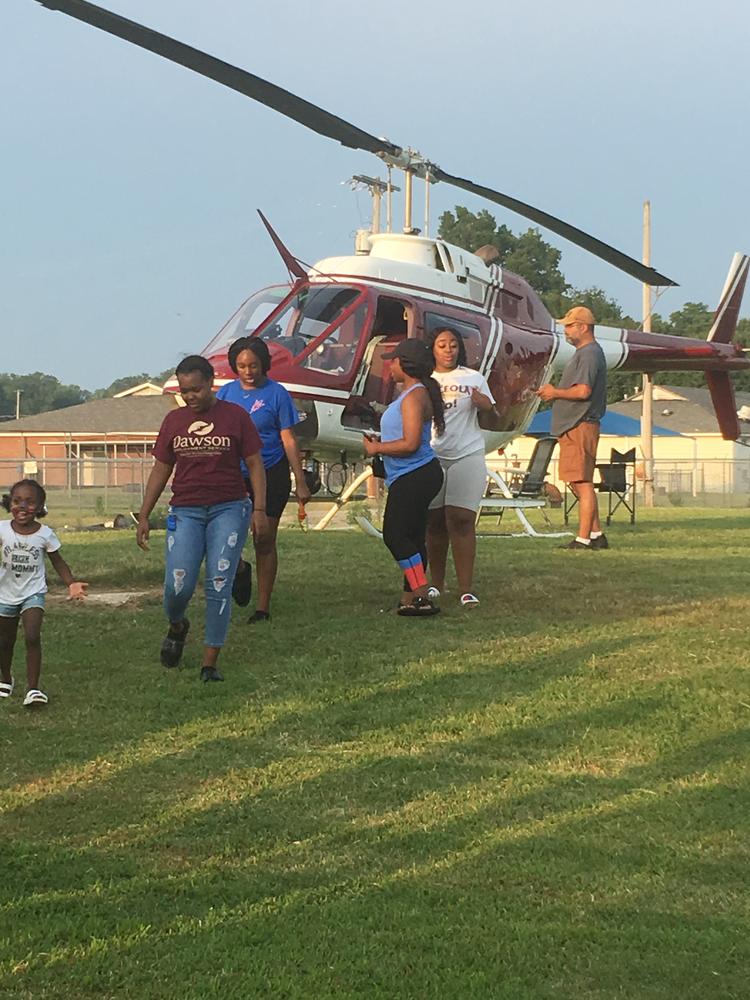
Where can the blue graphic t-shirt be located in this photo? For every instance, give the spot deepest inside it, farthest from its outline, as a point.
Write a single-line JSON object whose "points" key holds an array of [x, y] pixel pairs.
{"points": [[272, 411]]}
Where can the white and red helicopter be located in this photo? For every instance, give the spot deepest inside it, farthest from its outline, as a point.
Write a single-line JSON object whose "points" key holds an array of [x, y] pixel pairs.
{"points": [[328, 327]]}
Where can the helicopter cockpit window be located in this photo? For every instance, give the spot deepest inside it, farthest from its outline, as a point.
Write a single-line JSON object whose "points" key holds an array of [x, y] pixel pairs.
{"points": [[470, 335], [307, 315], [335, 353], [248, 318]]}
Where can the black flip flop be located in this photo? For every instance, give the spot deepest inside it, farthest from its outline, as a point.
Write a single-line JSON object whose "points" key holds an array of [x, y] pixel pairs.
{"points": [[421, 608]]}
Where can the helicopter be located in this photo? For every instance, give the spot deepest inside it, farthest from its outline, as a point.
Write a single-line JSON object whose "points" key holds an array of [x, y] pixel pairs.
{"points": [[330, 326]]}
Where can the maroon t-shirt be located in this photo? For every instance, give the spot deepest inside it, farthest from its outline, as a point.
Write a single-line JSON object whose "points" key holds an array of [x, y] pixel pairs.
{"points": [[205, 449]]}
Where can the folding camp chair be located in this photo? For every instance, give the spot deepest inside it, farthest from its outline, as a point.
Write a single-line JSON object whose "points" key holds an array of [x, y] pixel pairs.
{"points": [[615, 482], [526, 492]]}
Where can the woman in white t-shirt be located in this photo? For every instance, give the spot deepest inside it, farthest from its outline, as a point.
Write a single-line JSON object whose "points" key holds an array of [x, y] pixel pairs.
{"points": [[460, 449]]}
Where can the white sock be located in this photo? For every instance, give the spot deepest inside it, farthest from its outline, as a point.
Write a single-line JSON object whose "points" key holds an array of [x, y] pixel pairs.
{"points": [[583, 541], [596, 534]]}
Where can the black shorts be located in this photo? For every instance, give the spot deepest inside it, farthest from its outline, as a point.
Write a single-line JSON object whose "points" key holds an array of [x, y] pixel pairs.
{"points": [[278, 487]]}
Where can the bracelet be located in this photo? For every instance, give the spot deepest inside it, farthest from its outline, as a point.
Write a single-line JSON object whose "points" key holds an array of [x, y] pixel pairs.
{"points": [[259, 510]]}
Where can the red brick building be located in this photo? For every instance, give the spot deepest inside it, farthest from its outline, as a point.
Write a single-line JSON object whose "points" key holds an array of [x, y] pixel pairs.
{"points": [[102, 442]]}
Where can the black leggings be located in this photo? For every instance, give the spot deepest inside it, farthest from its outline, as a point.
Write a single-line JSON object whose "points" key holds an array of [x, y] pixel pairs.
{"points": [[405, 517]]}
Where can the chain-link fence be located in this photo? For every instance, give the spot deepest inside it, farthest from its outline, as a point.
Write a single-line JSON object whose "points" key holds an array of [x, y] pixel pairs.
{"points": [[92, 490], [95, 490], [677, 483]]}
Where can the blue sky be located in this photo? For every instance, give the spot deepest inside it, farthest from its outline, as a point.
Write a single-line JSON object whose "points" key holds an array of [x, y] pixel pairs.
{"points": [[128, 185]]}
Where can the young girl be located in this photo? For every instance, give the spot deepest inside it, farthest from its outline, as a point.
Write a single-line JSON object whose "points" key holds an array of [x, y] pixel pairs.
{"points": [[23, 583]]}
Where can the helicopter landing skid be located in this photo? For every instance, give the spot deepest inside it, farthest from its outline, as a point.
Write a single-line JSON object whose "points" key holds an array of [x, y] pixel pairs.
{"points": [[517, 504], [341, 501]]}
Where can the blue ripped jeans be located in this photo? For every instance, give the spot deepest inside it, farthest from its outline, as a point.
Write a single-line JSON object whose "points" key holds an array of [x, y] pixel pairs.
{"points": [[216, 532]]}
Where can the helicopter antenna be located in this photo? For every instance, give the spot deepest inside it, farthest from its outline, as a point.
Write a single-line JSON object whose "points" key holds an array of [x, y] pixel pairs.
{"points": [[377, 189], [427, 182]]}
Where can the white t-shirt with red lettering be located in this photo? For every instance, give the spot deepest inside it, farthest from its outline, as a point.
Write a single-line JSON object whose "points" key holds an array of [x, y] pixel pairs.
{"points": [[463, 435], [22, 570]]}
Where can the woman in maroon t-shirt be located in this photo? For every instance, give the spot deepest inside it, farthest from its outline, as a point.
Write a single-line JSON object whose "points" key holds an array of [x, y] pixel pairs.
{"points": [[209, 515]]}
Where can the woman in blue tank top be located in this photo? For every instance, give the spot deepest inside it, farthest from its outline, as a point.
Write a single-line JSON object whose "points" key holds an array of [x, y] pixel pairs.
{"points": [[412, 472]]}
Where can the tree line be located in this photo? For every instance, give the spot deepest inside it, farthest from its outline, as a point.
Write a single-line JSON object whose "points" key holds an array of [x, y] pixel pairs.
{"points": [[41, 392], [526, 254]]}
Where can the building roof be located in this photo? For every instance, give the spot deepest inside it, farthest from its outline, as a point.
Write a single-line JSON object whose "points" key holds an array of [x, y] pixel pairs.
{"points": [[613, 423], [685, 409], [128, 415], [142, 389]]}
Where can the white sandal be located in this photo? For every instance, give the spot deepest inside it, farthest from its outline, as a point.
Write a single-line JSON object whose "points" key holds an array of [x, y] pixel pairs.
{"points": [[469, 600], [35, 697], [433, 593], [6, 689]]}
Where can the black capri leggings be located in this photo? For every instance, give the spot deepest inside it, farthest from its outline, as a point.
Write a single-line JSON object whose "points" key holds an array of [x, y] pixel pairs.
{"points": [[405, 517]]}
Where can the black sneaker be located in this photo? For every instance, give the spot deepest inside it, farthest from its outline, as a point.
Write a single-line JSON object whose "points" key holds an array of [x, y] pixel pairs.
{"points": [[259, 616], [242, 588], [173, 644], [211, 674], [600, 542], [575, 544]]}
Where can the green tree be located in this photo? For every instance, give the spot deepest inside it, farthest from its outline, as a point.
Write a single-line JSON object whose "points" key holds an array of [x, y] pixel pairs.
{"points": [[693, 320], [120, 384], [472, 230], [527, 254], [162, 377], [39, 393]]}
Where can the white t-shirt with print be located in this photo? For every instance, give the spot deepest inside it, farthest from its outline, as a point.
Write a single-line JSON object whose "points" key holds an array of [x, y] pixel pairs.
{"points": [[22, 570], [463, 435]]}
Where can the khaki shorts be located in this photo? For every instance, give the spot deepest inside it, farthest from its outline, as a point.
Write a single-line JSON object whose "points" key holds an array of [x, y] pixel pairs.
{"points": [[578, 453]]}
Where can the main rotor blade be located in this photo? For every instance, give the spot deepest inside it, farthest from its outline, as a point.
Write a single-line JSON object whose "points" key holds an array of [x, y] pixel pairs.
{"points": [[331, 126], [595, 246], [307, 114]]}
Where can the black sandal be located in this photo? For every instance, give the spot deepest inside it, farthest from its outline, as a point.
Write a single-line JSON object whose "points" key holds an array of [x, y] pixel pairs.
{"points": [[258, 616], [242, 587], [421, 608], [173, 644]]}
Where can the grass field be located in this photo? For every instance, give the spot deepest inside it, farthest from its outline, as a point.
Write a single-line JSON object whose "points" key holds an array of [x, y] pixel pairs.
{"points": [[544, 798]]}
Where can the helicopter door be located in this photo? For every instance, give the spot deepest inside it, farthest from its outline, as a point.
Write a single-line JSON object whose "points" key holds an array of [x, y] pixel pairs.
{"points": [[374, 388]]}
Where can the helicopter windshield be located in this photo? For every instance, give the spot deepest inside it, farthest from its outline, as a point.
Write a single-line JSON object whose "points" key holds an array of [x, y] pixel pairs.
{"points": [[319, 326], [248, 318]]}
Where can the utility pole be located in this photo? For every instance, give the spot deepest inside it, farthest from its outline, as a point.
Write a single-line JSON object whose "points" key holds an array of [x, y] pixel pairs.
{"points": [[18, 403], [647, 425]]}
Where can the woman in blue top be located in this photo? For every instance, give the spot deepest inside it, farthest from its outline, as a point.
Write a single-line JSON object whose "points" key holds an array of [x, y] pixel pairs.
{"points": [[413, 474], [273, 413]]}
